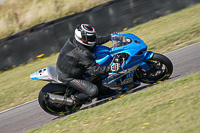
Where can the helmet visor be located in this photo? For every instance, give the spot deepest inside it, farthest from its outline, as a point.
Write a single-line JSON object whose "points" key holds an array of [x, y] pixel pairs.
{"points": [[91, 37]]}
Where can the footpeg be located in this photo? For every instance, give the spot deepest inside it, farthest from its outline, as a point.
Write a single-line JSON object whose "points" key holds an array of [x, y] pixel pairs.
{"points": [[59, 99]]}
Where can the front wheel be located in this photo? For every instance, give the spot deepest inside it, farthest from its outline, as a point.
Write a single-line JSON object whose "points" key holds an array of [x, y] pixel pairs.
{"points": [[161, 69], [55, 108]]}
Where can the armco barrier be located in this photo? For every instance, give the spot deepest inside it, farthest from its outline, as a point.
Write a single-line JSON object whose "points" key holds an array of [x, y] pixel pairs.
{"points": [[48, 38]]}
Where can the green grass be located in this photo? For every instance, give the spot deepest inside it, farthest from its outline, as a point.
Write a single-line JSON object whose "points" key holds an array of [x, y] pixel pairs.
{"points": [[161, 35], [16, 87], [172, 107], [171, 32], [18, 15]]}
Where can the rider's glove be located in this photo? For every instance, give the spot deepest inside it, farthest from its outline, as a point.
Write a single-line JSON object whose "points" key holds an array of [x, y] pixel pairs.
{"points": [[114, 33], [115, 67]]}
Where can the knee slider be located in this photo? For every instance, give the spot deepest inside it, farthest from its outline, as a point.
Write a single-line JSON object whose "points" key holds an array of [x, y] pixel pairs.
{"points": [[93, 91]]}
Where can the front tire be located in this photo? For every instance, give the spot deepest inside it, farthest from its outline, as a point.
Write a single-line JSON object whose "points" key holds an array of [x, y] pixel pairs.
{"points": [[161, 69], [53, 108]]}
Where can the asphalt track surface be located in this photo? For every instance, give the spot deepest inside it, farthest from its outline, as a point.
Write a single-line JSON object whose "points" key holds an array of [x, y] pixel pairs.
{"points": [[28, 116]]}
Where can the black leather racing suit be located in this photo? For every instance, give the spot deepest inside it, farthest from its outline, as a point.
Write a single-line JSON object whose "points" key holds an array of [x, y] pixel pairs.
{"points": [[74, 60]]}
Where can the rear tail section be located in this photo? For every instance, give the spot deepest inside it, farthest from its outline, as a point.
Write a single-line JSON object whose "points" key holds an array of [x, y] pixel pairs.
{"points": [[41, 74], [46, 74]]}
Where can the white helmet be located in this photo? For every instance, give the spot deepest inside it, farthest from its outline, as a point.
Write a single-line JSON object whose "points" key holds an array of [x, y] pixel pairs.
{"points": [[85, 34]]}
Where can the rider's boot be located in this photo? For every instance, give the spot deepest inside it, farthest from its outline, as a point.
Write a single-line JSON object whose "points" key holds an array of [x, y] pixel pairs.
{"points": [[77, 100]]}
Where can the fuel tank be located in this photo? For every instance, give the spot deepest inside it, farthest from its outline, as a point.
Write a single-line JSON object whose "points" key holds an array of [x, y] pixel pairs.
{"points": [[102, 55]]}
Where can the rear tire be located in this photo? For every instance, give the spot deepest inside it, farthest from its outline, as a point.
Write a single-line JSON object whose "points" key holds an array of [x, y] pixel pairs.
{"points": [[161, 69], [52, 108]]}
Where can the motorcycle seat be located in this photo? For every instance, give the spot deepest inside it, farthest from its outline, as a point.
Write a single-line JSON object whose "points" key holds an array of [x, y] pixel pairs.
{"points": [[51, 70]]}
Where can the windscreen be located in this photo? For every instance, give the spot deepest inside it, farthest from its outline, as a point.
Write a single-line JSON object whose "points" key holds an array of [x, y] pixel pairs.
{"points": [[119, 40]]}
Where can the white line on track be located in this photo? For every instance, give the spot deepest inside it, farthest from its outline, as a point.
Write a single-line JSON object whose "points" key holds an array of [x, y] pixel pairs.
{"points": [[17, 106]]}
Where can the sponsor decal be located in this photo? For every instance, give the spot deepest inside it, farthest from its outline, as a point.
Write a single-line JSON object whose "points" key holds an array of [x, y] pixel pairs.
{"points": [[128, 76], [128, 40], [127, 81], [42, 70], [109, 79]]}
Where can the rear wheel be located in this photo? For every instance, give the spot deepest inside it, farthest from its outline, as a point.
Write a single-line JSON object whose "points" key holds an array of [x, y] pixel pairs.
{"points": [[55, 108], [161, 69]]}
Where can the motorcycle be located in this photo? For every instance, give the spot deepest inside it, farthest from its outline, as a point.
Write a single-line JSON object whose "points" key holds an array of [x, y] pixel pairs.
{"points": [[136, 65]]}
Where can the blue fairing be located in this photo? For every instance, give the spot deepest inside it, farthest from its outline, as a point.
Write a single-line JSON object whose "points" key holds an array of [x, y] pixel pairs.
{"points": [[103, 55], [136, 54], [148, 55], [136, 50]]}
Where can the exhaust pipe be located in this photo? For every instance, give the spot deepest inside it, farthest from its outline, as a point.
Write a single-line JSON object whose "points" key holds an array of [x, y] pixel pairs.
{"points": [[59, 99]]}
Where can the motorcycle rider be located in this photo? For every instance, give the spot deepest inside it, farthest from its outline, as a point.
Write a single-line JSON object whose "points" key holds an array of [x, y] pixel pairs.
{"points": [[76, 58]]}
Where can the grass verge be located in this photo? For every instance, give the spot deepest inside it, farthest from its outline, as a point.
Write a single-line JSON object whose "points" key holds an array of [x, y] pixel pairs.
{"points": [[172, 107], [18, 15], [171, 32], [162, 35]]}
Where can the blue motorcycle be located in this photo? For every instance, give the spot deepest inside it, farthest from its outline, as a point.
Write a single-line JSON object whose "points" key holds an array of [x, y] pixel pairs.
{"points": [[136, 65]]}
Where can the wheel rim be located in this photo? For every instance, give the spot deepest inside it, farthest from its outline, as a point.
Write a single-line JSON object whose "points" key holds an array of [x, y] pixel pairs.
{"points": [[156, 73]]}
